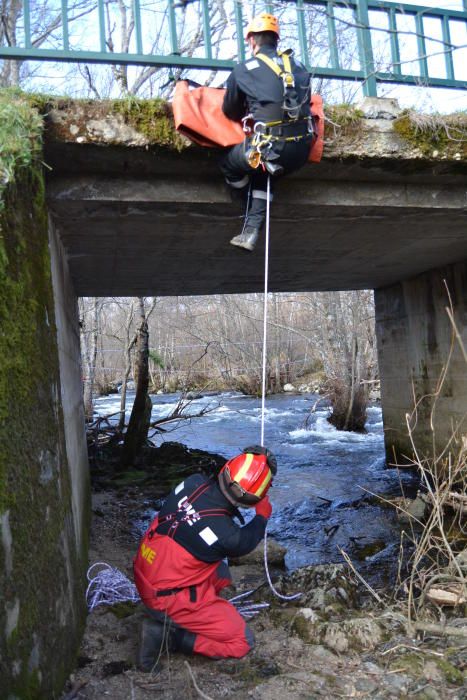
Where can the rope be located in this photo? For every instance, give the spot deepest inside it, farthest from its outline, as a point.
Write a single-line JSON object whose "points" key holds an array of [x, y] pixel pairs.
{"points": [[268, 575], [109, 586], [265, 310], [263, 383]]}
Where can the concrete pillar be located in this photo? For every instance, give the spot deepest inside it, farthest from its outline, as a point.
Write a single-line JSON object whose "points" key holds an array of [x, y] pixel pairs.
{"points": [[69, 356], [417, 346]]}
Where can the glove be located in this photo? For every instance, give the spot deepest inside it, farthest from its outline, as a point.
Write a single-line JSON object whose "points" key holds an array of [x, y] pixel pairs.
{"points": [[264, 508], [258, 450]]}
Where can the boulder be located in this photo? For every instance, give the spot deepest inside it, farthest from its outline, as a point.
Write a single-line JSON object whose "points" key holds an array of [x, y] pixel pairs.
{"points": [[276, 555], [323, 587], [359, 634], [289, 387]]}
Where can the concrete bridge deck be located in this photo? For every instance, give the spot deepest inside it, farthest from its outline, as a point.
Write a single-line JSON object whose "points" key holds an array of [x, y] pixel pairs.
{"points": [[137, 219]]}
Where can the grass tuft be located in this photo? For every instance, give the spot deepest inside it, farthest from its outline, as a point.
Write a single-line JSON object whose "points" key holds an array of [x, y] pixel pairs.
{"points": [[20, 136]]}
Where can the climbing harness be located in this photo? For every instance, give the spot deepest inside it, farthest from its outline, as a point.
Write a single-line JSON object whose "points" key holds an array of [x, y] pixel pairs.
{"points": [[290, 128], [291, 106]]}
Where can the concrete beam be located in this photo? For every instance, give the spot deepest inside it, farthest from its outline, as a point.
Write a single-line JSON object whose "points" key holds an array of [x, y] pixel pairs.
{"points": [[136, 218]]}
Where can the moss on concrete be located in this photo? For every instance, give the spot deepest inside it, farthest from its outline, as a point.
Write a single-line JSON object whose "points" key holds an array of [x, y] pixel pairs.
{"points": [[40, 574], [435, 136], [153, 118]]}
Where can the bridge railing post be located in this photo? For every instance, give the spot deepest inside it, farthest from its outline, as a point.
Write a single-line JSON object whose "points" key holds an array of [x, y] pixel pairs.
{"points": [[365, 49]]}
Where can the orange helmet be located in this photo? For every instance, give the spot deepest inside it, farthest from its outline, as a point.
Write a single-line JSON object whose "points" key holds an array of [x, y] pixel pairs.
{"points": [[263, 23], [247, 477]]}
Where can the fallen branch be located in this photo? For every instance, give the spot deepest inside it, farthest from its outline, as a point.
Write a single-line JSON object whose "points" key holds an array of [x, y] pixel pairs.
{"points": [[446, 630], [447, 596]]}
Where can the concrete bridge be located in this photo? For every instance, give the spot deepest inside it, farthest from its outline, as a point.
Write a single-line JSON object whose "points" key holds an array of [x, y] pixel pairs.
{"points": [[134, 218], [129, 216]]}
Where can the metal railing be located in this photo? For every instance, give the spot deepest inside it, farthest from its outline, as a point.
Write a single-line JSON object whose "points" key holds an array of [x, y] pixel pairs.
{"points": [[371, 41]]}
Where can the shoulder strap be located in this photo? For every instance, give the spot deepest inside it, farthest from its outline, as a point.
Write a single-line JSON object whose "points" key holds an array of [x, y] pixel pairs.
{"points": [[284, 73], [270, 63]]}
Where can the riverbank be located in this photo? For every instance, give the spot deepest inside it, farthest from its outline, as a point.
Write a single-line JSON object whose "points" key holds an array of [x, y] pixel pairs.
{"points": [[335, 641]]}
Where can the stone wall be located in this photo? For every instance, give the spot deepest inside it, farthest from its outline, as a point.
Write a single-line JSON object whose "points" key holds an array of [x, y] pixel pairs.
{"points": [[415, 345], [43, 482]]}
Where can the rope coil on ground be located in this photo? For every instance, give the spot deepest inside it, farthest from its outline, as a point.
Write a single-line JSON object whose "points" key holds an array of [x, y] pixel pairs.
{"points": [[108, 587]]}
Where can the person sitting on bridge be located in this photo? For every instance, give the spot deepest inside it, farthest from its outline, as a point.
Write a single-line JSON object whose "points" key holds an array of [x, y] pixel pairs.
{"points": [[271, 91], [179, 568]]}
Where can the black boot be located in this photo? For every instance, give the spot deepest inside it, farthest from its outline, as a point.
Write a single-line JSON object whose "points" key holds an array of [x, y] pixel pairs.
{"points": [[247, 239], [157, 639], [151, 646]]}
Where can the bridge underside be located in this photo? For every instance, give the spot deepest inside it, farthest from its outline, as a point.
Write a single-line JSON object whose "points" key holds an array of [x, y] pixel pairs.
{"points": [[135, 222]]}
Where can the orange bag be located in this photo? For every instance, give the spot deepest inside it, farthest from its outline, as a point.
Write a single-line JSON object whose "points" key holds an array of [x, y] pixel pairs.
{"points": [[198, 115]]}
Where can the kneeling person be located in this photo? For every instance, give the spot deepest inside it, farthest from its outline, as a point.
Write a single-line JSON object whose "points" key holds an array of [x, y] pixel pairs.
{"points": [[179, 568]]}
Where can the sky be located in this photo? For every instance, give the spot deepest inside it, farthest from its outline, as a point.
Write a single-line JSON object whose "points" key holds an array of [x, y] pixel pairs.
{"points": [[62, 78]]}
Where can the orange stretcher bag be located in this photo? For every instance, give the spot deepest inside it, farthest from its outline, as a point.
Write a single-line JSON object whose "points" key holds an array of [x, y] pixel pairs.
{"points": [[198, 115]]}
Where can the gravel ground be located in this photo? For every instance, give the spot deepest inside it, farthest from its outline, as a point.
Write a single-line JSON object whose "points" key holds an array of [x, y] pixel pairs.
{"points": [[326, 646]]}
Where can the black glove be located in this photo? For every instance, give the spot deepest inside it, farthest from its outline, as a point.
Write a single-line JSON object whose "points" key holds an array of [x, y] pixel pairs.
{"points": [[258, 450]]}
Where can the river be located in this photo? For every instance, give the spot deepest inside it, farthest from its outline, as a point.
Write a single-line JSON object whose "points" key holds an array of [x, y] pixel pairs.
{"points": [[320, 495]]}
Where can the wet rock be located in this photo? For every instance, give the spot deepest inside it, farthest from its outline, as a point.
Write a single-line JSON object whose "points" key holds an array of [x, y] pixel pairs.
{"points": [[276, 555], [415, 509], [352, 635], [193, 395], [326, 586]]}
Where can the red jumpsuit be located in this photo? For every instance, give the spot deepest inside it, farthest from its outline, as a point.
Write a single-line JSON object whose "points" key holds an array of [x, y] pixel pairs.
{"points": [[179, 569]]}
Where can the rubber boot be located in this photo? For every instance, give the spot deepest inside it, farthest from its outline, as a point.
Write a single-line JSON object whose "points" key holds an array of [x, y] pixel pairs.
{"points": [[156, 639], [152, 641], [247, 239]]}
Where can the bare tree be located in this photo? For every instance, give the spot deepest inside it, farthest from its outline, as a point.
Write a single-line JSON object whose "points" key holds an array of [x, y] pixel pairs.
{"points": [[138, 426]]}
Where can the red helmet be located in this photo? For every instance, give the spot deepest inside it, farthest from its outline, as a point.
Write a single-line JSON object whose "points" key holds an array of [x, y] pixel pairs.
{"points": [[246, 478]]}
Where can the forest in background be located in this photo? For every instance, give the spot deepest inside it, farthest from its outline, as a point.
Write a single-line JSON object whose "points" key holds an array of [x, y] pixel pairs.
{"points": [[316, 341]]}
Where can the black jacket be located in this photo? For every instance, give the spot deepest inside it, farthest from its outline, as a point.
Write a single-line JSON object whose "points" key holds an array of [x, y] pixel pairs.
{"points": [[208, 536], [254, 88]]}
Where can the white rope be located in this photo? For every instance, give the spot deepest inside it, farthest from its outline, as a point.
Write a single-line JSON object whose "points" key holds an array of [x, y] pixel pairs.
{"points": [[109, 586], [268, 576], [263, 383], [265, 310]]}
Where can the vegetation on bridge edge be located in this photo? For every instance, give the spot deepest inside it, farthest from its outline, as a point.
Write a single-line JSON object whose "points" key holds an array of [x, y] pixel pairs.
{"points": [[21, 129], [435, 135], [22, 115]]}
